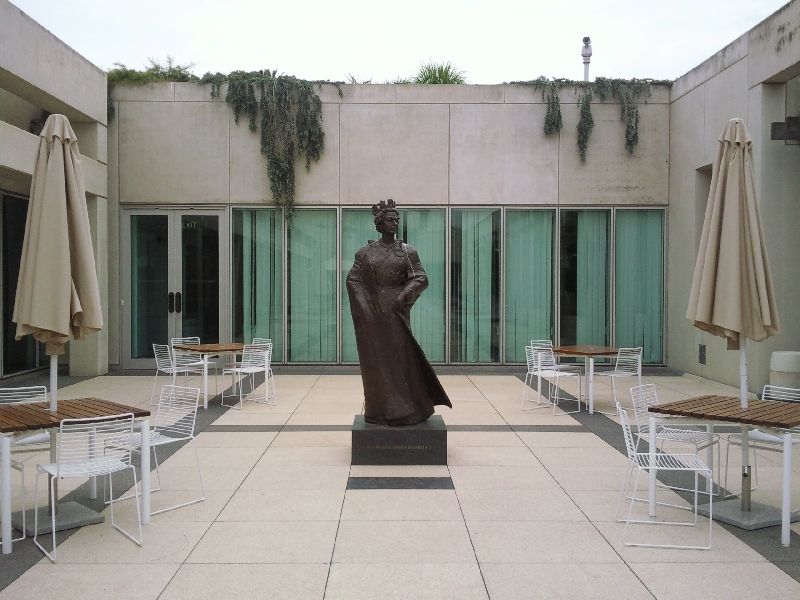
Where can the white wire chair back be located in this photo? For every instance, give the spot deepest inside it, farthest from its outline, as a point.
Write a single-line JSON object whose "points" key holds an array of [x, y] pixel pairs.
{"points": [[163, 356], [90, 447], [643, 397], [177, 411], [23, 395], [259, 341], [783, 394], [629, 362], [542, 344], [182, 358], [630, 445], [544, 359], [256, 356]]}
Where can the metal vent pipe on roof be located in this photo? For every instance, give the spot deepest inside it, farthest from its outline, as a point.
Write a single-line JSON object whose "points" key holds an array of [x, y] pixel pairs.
{"points": [[586, 53]]}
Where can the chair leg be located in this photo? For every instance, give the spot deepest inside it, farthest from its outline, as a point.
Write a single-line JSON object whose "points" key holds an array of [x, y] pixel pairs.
{"points": [[138, 510], [51, 556], [202, 487]]}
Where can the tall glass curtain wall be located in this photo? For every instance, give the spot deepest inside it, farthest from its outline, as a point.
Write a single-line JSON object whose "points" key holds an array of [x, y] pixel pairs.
{"points": [[534, 251], [18, 355], [584, 275], [639, 286], [312, 286], [529, 280], [200, 270], [258, 277], [475, 286]]}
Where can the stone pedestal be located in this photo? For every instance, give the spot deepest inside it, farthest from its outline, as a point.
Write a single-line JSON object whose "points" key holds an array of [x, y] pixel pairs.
{"points": [[421, 444]]}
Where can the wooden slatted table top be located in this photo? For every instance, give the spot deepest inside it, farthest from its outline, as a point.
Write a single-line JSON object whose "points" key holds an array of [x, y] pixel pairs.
{"points": [[767, 413], [211, 348], [586, 350], [37, 415]]}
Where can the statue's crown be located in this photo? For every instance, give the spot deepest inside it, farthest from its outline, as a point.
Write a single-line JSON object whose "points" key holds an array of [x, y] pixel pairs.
{"points": [[383, 206]]}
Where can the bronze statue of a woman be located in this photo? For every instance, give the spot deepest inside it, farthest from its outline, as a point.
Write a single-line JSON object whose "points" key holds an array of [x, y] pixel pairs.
{"points": [[400, 387]]}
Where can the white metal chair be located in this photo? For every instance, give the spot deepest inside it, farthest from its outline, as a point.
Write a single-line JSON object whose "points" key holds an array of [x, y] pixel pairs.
{"points": [[760, 440], [174, 424], [542, 364], [644, 461], [257, 341], [255, 359], [31, 443], [628, 364], [644, 396], [165, 363], [84, 451]]}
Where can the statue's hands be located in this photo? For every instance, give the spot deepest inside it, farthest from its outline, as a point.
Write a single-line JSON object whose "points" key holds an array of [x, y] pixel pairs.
{"points": [[402, 300]]}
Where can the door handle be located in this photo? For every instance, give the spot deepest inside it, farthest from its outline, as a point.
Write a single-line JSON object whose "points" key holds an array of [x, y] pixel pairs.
{"points": [[171, 302], [177, 302]]}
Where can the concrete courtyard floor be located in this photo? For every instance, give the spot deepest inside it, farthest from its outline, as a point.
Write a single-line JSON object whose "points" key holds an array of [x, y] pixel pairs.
{"points": [[526, 510]]}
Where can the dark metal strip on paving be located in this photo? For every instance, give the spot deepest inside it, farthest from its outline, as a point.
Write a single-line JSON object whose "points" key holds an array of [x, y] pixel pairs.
{"points": [[399, 483], [767, 541]]}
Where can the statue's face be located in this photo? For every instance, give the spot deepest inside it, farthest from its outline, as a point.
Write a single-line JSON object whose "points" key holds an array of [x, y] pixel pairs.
{"points": [[388, 223]]}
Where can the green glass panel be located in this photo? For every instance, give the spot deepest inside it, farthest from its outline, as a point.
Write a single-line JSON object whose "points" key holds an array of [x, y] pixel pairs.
{"points": [[639, 286], [529, 280], [258, 277], [149, 289], [424, 229], [475, 286], [357, 228], [200, 273], [312, 286]]}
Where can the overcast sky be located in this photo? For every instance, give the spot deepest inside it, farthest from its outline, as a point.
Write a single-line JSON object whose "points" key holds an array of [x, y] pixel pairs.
{"points": [[492, 41]]}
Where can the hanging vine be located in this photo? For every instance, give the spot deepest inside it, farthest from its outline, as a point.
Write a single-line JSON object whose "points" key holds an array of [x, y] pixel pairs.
{"points": [[290, 122], [628, 92]]}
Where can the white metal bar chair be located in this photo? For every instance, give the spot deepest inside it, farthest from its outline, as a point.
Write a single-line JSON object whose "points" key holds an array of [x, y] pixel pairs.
{"points": [[257, 341], [644, 461], [542, 365], [761, 440], [628, 364], [165, 363], [32, 443], [645, 396], [88, 448], [174, 424], [255, 359]]}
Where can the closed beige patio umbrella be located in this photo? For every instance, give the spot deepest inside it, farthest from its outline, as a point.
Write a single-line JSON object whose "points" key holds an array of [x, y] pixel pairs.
{"points": [[732, 295], [57, 294]]}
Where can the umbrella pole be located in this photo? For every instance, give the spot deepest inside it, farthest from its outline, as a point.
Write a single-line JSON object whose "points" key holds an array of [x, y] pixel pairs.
{"points": [[745, 428], [53, 438]]}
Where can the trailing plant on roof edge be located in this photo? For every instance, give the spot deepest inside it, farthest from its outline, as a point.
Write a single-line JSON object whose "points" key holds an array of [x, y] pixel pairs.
{"points": [[628, 92], [290, 122], [156, 72]]}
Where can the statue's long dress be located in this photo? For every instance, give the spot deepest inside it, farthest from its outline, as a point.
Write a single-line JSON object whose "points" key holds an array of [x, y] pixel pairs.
{"points": [[400, 387]]}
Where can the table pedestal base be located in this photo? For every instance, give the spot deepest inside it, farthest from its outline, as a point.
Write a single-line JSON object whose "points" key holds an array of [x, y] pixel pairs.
{"points": [[69, 516], [730, 512]]}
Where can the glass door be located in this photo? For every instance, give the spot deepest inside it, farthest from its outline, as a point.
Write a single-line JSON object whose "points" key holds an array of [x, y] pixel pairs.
{"points": [[173, 270]]}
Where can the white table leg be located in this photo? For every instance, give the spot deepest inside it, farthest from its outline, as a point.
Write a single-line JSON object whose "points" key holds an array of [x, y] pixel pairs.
{"points": [[5, 490], [590, 384], [786, 507], [653, 472], [205, 380], [145, 453]]}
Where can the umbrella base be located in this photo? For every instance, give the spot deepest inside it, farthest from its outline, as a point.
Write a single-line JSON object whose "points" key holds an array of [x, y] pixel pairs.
{"points": [[730, 512], [70, 515]]}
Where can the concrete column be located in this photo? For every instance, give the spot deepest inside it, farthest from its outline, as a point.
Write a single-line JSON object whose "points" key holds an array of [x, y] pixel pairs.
{"points": [[90, 356]]}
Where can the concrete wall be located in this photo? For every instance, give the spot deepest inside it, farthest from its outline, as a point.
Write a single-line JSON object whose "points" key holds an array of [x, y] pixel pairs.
{"points": [[39, 74], [747, 79]]}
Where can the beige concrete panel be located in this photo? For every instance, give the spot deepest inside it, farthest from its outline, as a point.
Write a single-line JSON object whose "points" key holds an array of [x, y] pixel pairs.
{"points": [[249, 180], [521, 94], [95, 176], [149, 92], [17, 149], [92, 140], [14, 182], [449, 94], [610, 175], [366, 94], [173, 153], [48, 73], [196, 92], [774, 50], [500, 155], [730, 54], [726, 98], [397, 151], [329, 93], [16, 111]]}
